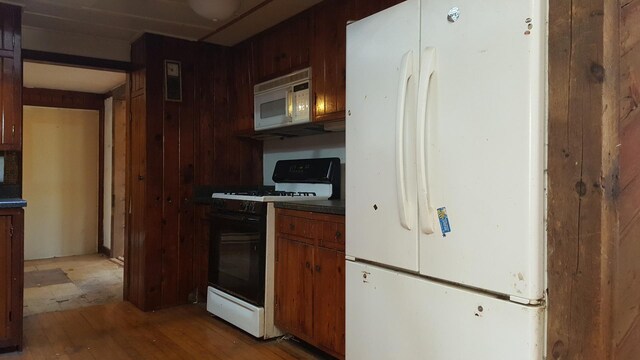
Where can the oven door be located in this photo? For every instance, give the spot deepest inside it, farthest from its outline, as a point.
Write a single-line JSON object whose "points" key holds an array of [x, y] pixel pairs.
{"points": [[237, 255]]}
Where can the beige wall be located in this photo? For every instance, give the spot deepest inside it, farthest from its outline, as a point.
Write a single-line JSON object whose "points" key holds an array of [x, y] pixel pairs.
{"points": [[60, 183]]}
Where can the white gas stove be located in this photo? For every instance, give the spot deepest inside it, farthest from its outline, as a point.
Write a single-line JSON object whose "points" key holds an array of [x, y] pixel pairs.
{"points": [[242, 258]]}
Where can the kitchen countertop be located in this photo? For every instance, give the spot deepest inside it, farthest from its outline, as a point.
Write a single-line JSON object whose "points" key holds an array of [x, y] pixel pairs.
{"points": [[11, 203], [335, 207]]}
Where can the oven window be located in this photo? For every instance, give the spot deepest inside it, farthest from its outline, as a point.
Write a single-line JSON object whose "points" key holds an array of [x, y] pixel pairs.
{"points": [[273, 108], [237, 259]]}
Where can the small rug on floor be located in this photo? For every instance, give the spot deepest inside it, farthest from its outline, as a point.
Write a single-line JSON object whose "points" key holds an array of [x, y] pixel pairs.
{"points": [[45, 277]]}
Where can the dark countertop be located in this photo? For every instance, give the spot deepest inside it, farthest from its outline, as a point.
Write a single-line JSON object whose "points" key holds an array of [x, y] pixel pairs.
{"points": [[11, 203], [335, 207]]}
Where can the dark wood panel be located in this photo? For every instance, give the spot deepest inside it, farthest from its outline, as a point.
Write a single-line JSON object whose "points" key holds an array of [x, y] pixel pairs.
{"points": [[10, 31], [11, 103], [329, 301], [294, 284], [582, 176], [328, 59], [284, 47], [242, 91], [11, 277], [62, 99], [5, 276]]}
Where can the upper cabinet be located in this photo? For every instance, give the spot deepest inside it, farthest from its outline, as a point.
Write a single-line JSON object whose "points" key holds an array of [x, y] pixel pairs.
{"points": [[328, 60], [283, 48], [10, 78], [316, 38]]}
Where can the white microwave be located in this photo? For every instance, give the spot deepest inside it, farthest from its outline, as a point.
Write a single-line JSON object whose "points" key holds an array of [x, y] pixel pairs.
{"points": [[282, 101]]}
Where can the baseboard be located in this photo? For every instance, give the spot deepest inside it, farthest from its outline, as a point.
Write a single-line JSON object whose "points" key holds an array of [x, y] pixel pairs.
{"points": [[104, 251]]}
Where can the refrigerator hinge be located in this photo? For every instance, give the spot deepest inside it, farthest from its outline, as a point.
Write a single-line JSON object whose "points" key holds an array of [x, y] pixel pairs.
{"points": [[524, 301]]}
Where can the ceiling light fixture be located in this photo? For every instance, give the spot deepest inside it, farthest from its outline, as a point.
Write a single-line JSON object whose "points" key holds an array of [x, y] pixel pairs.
{"points": [[215, 10]]}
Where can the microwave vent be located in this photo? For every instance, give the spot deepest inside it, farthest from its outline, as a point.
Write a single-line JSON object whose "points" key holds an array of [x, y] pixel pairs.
{"points": [[283, 80]]}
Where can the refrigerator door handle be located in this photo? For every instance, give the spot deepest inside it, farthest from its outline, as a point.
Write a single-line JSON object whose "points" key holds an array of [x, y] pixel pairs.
{"points": [[427, 69], [405, 75]]}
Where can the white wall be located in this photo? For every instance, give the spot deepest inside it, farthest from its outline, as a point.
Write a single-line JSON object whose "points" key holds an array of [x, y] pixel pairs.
{"points": [[304, 147], [60, 182]]}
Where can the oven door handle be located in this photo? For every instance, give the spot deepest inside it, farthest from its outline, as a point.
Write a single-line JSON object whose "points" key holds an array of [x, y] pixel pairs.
{"points": [[236, 217]]}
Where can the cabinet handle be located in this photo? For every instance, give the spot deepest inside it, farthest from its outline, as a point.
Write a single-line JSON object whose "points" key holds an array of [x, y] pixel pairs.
{"points": [[317, 268], [13, 132], [307, 265], [140, 177], [338, 235]]}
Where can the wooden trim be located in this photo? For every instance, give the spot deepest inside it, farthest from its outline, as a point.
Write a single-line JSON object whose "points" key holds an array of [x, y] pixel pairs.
{"points": [[75, 60], [62, 99], [104, 251], [582, 176], [101, 189]]}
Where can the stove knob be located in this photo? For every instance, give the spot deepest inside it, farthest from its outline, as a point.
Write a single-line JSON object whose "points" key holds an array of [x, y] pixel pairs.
{"points": [[253, 207]]}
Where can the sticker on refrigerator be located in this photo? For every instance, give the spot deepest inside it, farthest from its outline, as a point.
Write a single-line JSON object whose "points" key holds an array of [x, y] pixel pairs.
{"points": [[444, 221]]}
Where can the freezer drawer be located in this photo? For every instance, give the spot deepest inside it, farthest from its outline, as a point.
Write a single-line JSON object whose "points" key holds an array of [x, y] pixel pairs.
{"points": [[393, 315]]}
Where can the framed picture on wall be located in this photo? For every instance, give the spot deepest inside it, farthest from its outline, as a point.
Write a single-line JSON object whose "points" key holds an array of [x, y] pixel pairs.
{"points": [[172, 80]]}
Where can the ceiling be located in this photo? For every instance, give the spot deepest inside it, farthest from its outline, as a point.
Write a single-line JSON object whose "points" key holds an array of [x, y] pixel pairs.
{"points": [[59, 77], [125, 20]]}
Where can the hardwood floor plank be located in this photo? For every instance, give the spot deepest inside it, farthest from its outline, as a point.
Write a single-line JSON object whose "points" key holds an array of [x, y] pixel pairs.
{"points": [[119, 331]]}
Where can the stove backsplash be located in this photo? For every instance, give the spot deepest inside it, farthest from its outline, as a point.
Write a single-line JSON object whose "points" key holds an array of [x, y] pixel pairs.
{"points": [[304, 147]]}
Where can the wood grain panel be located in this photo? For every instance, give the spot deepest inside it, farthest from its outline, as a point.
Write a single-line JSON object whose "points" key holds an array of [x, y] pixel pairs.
{"points": [[243, 81], [5, 276], [582, 176], [626, 315], [329, 301], [10, 27], [294, 284]]}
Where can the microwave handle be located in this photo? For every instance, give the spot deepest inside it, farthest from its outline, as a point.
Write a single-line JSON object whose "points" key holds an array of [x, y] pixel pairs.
{"points": [[290, 105]]}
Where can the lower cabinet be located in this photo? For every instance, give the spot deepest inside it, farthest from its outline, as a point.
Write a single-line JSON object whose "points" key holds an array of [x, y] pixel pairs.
{"points": [[11, 278], [310, 279]]}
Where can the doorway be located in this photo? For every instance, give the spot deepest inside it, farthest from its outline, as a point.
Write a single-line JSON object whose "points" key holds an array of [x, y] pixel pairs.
{"points": [[71, 160]]}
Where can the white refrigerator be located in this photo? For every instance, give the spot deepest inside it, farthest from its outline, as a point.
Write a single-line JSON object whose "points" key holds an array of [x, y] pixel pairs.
{"points": [[445, 187]]}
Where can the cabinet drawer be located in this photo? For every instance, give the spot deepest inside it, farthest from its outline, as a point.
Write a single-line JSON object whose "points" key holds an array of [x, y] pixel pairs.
{"points": [[297, 227], [332, 235]]}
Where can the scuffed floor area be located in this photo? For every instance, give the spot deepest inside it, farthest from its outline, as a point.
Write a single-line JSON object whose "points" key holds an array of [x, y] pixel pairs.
{"points": [[70, 282]]}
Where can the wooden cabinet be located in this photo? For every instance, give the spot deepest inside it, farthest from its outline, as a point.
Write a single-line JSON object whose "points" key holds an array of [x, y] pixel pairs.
{"points": [[11, 278], [310, 279], [328, 60], [283, 48], [328, 52], [10, 78]]}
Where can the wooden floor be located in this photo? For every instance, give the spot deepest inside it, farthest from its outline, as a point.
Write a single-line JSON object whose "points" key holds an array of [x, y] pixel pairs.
{"points": [[121, 331]]}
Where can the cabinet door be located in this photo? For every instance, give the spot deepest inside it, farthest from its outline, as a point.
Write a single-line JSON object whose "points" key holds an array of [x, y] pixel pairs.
{"points": [[5, 277], [10, 78], [294, 287], [10, 103], [283, 48], [328, 60], [329, 300]]}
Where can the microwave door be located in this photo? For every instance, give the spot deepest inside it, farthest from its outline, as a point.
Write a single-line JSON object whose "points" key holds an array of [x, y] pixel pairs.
{"points": [[273, 109]]}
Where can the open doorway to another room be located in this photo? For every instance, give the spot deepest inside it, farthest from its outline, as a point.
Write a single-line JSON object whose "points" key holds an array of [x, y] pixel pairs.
{"points": [[71, 180]]}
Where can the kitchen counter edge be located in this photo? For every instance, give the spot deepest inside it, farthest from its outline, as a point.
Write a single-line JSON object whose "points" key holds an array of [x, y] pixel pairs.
{"points": [[12, 203], [335, 207]]}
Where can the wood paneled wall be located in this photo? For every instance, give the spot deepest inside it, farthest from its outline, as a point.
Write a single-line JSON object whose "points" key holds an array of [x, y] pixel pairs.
{"points": [[582, 176], [626, 317], [175, 146]]}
